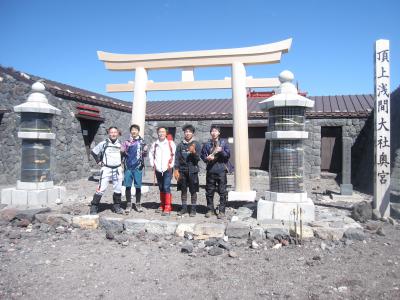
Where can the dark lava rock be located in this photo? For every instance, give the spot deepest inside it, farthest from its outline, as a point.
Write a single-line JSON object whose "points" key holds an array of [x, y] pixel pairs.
{"points": [[211, 242], [214, 251], [354, 234], [224, 245], [362, 212], [29, 214], [187, 247], [109, 235]]}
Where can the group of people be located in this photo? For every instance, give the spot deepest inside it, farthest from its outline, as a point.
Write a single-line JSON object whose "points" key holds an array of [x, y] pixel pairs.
{"points": [[123, 163]]}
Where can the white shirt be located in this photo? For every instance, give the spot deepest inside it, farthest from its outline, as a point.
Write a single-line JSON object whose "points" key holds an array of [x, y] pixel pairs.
{"points": [[162, 155]]}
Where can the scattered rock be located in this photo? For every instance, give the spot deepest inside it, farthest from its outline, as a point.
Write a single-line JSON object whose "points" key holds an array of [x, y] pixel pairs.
{"points": [[257, 233], [354, 234], [274, 231], [254, 245], [362, 211], [215, 250], [109, 235], [284, 242], [373, 225], [121, 238], [380, 232], [60, 229], [201, 245], [224, 245], [86, 221], [30, 213], [323, 246], [8, 214], [211, 242], [45, 227], [208, 230], [54, 219], [187, 247], [161, 227], [184, 227], [330, 234], [232, 254], [134, 226], [188, 235], [277, 246], [238, 230], [23, 223], [114, 224]]}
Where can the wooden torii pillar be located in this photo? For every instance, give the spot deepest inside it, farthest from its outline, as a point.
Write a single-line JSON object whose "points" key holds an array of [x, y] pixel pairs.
{"points": [[237, 58]]}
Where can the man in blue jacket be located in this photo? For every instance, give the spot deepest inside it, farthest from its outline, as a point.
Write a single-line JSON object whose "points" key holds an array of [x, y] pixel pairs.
{"points": [[216, 153]]}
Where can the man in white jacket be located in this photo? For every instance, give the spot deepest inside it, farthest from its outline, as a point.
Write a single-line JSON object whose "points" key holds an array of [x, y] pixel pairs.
{"points": [[162, 158], [108, 155]]}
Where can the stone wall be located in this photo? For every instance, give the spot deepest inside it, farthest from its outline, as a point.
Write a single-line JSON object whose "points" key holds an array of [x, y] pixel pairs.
{"points": [[69, 159], [69, 156]]}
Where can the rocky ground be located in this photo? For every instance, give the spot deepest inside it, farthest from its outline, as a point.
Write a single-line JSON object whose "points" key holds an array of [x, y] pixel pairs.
{"points": [[53, 258]]}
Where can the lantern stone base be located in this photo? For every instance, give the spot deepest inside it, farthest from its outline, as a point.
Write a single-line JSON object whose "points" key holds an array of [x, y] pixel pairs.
{"points": [[280, 206], [32, 198], [242, 196]]}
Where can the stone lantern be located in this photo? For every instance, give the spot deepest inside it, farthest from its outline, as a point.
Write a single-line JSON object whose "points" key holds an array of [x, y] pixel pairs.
{"points": [[35, 187], [286, 131]]}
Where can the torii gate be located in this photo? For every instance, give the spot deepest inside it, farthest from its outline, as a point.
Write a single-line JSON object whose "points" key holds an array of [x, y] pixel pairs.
{"points": [[237, 58]]}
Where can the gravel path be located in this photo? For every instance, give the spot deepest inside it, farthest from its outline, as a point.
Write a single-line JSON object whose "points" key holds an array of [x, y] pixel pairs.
{"points": [[42, 262]]}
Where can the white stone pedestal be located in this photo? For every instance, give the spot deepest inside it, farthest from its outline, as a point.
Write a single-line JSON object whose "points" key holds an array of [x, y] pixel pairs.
{"points": [[242, 196], [280, 206], [33, 195]]}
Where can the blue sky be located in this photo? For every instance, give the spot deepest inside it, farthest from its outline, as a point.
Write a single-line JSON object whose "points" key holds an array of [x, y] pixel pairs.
{"points": [[331, 54]]}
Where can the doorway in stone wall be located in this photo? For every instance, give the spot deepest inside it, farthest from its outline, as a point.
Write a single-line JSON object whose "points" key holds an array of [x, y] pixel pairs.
{"points": [[89, 129], [258, 145], [331, 149]]}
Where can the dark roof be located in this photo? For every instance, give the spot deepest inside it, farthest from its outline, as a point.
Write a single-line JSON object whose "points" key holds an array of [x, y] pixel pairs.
{"points": [[337, 106]]}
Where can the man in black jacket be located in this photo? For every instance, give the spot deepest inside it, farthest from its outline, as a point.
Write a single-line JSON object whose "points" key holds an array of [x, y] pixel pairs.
{"points": [[216, 153], [186, 172]]}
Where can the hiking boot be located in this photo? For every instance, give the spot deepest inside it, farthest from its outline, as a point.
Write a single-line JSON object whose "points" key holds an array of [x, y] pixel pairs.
{"points": [[209, 213], [128, 208], [167, 204], [138, 207], [94, 209], [94, 205], [116, 208], [162, 203], [221, 215], [183, 211], [192, 211]]}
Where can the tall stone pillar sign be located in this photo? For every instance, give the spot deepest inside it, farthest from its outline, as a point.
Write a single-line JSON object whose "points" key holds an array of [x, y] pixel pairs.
{"points": [[382, 128], [286, 131], [35, 188]]}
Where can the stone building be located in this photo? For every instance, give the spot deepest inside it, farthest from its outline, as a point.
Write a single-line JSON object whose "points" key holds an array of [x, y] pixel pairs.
{"points": [[86, 116]]}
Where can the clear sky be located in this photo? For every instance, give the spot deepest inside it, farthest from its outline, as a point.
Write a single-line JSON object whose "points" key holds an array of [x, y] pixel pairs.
{"points": [[331, 54]]}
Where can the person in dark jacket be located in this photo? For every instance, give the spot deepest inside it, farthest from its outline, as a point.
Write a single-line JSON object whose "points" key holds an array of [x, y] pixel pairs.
{"points": [[216, 153], [186, 173]]}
